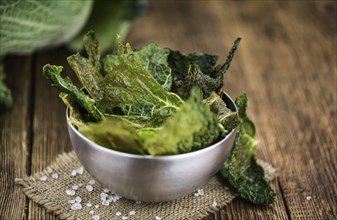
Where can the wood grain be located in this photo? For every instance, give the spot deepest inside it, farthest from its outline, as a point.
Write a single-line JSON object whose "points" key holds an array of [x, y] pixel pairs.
{"points": [[15, 141], [286, 63], [50, 131]]}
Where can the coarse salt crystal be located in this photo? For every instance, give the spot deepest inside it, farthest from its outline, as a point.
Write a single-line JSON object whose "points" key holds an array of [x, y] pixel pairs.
{"points": [[73, 173], [70, 192], [92, 182], [96, 206], [196, 194], [309, 198], [74, 187], [138, 202], [106, 203], [55, 176], [92, 212], [124, 217], [95, 217], [118, 213], [80, 170], [214, 204], [109, 199], [103, 195], [89, 204], [76, 206], [132, 212], [89, 188], [43, 178], [78, 199], [49, 169], [158, 218], [72, 201], [106, 190], [201, 192]]}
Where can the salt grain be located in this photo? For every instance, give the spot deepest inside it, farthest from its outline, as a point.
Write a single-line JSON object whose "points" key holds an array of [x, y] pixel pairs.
{"points": [[78, 199], [80, 170], [138, 202], [118, 213], [43, 178], [55, 175], [309, 198], [89, 204], [73, 173], [76, 206], [96, 206], [95, 217], [158, 218], [92, 182], [201, 192], [89, 188], [106, 190], [74, 187], [124, 217], [103, 196], [105, 203], [214, 204], [92, 212], [70, 192], [72, 201], [49, 170], [132, 212]]}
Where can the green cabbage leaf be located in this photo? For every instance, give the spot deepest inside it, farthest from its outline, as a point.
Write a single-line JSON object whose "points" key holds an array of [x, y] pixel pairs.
{"points": [[30, 25], [241, 170]]}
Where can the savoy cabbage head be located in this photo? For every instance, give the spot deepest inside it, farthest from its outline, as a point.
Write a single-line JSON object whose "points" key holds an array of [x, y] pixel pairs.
{"points": [[27, 25]]}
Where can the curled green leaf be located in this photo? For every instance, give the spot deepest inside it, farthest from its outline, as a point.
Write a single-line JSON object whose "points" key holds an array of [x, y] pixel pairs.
{"points": [[129, 86], [241, 170], [53, 73], [191, 128]]}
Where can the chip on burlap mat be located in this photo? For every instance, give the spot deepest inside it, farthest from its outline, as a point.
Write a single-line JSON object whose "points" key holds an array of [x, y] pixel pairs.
{"points": [[66, 189]]}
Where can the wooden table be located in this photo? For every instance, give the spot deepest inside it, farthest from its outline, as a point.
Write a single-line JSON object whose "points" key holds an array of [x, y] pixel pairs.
{"points": [[286, 64]]}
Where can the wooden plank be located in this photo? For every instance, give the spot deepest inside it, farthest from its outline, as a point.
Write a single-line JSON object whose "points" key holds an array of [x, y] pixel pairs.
{"points": [[208, 26], [315, 105], [50, 131], [15, 132], [292, 87]]}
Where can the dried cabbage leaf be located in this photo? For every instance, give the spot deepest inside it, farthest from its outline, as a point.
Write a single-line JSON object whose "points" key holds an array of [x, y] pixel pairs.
{"points": [[129, 86], [113, 134], [226, 117], [241, 170], [198, 70], [191, 128], [153, 58], [53, 73], [88, 71]]}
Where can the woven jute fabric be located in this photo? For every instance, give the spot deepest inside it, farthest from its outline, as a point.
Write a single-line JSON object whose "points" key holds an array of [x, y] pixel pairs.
{"points": [[48, 188]]}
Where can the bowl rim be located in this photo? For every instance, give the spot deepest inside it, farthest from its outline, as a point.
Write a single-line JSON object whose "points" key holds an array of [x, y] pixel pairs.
{"points": [[162, 157]]}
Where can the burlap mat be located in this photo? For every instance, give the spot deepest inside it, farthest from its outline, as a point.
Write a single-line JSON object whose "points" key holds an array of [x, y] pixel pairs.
{"points": [[51, 188]]}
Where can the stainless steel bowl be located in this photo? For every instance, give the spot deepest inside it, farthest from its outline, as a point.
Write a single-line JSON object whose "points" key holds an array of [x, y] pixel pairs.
{"points": [[151, 178]]}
